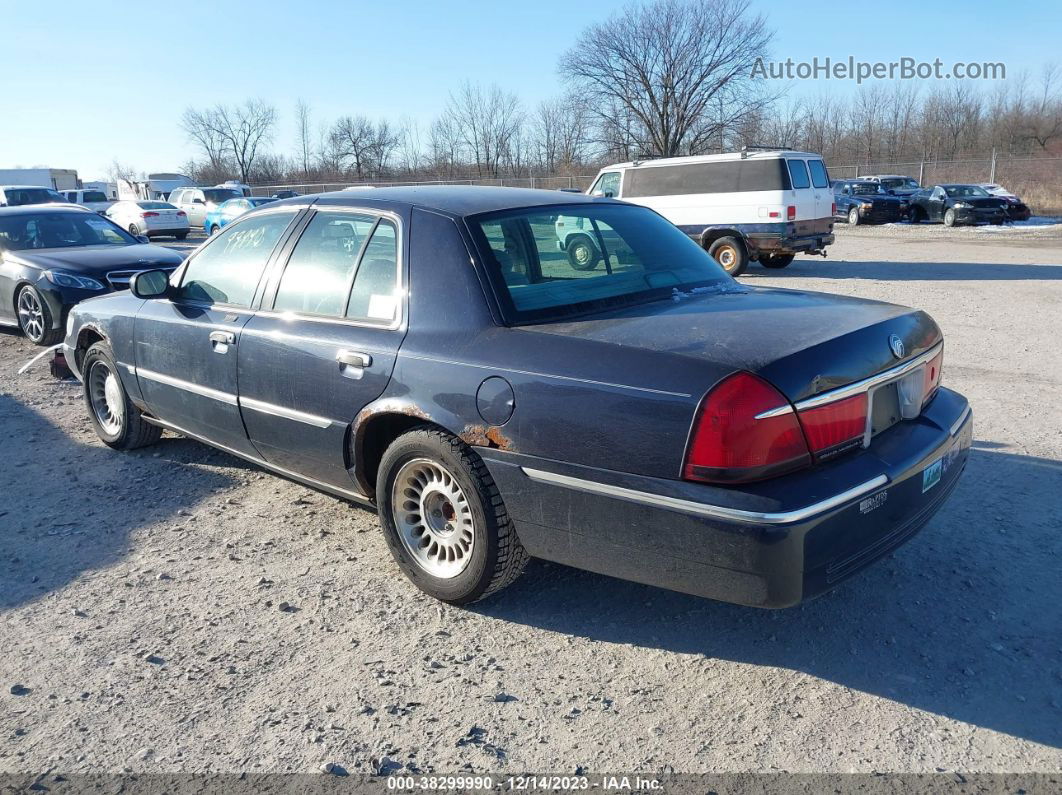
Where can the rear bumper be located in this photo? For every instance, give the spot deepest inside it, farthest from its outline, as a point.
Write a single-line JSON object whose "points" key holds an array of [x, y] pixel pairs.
{"points": [[797, 238], [769, 544]]}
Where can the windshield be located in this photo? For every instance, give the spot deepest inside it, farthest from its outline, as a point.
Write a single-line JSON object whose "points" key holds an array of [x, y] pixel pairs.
{"points": [[19, 196], [571, 259], [966, 192], [94, 196], [900, 182], [219, 195], [866, 188], [60, 230]]}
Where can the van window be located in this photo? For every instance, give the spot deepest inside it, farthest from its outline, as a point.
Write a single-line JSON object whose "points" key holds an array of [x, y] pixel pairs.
{"points": [[729, 176], [799, 172], [607, 185], [819, 177]]}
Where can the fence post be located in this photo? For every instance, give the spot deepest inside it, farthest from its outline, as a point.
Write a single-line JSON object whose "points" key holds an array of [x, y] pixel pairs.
{"points": [[992, 175], [921, 172]]}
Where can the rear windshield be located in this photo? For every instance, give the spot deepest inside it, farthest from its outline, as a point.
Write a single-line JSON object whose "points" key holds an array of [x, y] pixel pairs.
{"points": [[155, 206], [60, 230], [94, 196], [219, 195], [258, 201], [20, 196], [729, 176], [571, 259]]}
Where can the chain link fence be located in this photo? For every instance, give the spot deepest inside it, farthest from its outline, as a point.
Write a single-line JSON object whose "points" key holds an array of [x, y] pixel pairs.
{"points": [[1038, 180]]}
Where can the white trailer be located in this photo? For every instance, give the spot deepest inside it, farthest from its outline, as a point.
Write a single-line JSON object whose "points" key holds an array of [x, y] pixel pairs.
{"points": [[54, 178]]}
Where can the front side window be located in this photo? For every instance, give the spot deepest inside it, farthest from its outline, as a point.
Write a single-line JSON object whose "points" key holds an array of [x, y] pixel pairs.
{"points": [[798, 172], [607, 185], [227, 269], [569, 259], [819, 177], [320, 271]]}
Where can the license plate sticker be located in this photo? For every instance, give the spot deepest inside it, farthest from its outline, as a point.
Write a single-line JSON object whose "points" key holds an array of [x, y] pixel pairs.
{"points": [[931, 475]]}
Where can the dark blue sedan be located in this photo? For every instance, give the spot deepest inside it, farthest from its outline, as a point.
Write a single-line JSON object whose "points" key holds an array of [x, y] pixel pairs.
{"points": [[434, 353]]}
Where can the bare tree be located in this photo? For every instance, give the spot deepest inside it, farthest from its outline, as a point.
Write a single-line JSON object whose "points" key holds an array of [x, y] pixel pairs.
{"points": [[487, 119], [231, 131], [119, 171], [302, 131], [558, 133], [365, 146], [669, 63]]}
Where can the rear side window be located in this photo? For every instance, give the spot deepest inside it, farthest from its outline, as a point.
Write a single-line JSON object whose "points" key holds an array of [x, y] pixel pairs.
{"points": [[731, 176], [227, 269], [321, 268], [95, 196], [798, 171], [375, 293], [819, 177]]}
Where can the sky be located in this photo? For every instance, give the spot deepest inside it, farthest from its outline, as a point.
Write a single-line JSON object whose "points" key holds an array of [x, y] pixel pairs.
{"points": [[83, 84]]}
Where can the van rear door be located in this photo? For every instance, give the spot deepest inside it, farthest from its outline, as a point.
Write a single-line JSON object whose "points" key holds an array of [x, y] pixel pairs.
{"points": [[802, 195], [820, 182]]}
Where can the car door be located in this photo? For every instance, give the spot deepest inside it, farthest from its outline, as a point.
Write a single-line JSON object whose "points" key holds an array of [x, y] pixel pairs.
{"points": [[187, 344], [936, 204], [327, 343], [820, 183], [195, 207], [802, 195]]}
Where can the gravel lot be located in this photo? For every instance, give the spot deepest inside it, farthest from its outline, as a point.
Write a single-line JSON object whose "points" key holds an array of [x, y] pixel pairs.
{"points": [[174, 609]]}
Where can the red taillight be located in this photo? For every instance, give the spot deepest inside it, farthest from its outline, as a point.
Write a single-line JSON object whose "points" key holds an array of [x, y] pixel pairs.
{"points": [[833, 209], [181, 213], [734, 442], [835, 426], [933, 372], [790, 213], [149, 215]]}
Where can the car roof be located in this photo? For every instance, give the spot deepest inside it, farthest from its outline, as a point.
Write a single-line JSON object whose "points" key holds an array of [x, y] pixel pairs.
{"points": [[459, 200], [51, 207], [768, 154], [23, 187]]}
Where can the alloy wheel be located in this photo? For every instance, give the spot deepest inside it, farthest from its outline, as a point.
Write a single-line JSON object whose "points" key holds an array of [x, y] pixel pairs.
{"points": [[31, 315], [433, 518]]}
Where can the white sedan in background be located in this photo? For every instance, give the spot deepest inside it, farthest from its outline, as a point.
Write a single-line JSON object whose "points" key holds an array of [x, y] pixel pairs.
{"points": [[150, 218]]}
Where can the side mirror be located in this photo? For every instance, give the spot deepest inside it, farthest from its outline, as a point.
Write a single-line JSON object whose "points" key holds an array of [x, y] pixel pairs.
{"points": [[143, 239], [150, 284], [198, 201], [608, 194]]}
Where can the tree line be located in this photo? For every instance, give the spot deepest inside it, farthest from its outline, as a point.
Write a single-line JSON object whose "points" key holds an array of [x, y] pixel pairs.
{"points": [[664, 78]]}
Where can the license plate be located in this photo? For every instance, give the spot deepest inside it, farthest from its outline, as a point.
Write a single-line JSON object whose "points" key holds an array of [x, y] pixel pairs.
{"points": [[931, 474]]}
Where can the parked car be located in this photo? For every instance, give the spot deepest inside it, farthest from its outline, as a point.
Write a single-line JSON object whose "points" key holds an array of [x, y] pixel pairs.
{"points": [[862, 202], [51, 257], [957, 204], [19, 195], [227, 212], [895, 184], [150, 218], [89, 198], [429, 351], [748, 206], [197, 202], [1017, 210], [286, 194]]}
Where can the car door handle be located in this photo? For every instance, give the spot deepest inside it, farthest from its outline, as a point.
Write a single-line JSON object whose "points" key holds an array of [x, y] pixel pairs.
{"points": [[353, 359], [221, 340]]}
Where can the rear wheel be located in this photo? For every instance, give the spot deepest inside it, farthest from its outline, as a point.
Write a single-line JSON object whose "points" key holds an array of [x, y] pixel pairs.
{"points": [[777, 260], [35, 318], [134, 230], [212, 230], [730, 254], [582, 253], [915, 215], [443, 518], [853, 217], [117, 422], [949, 218], [181, 235]]}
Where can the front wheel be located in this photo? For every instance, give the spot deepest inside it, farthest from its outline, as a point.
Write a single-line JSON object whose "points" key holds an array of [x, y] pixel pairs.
{"points": [[181, 235], [582, 253], [853, 217], [730, 254], [777, 260], [212, 230], [949, 218], [443, 518], [117, 422], [35, 318], [134, 230]]}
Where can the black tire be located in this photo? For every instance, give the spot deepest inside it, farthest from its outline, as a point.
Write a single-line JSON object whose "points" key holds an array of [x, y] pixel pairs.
{"points": [[777, 260], [212, 230], [35, 317], [949, 217], [731, 255], [181, 235], [582, 253], [495, 555], [124, 429], [914, 215], [853, 216], [134, 230]]}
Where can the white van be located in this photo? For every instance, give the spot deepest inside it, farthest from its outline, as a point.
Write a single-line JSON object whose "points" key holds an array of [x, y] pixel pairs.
{"points": [[764, 205]]}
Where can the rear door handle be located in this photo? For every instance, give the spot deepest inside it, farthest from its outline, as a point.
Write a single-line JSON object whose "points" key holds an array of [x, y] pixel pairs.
{"points": [[353, 359], [221, 340]]}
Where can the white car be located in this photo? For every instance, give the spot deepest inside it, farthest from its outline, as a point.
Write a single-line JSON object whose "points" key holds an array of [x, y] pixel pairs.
{"points": [[150, 218], [18, 195], [88, 197]]}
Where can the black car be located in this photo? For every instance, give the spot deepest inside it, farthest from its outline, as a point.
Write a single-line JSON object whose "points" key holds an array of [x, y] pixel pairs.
{"points": [[432, 352], [958, 204], [52, 256], [862, 202]]}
